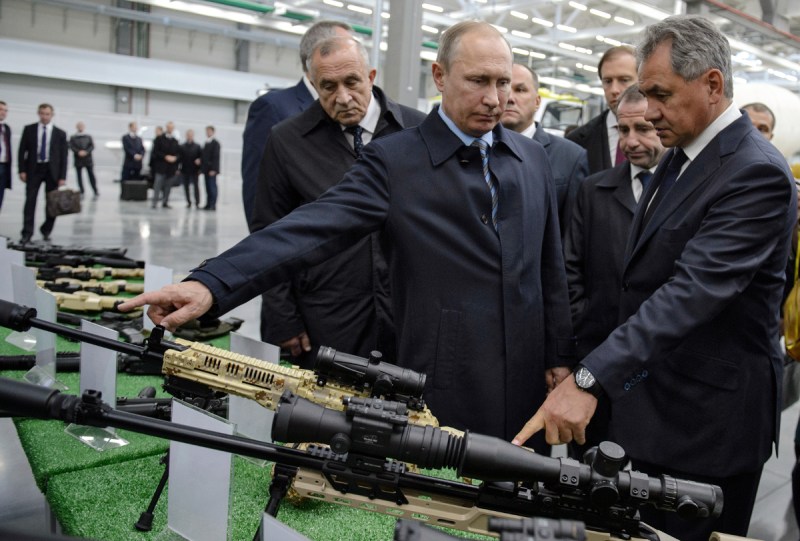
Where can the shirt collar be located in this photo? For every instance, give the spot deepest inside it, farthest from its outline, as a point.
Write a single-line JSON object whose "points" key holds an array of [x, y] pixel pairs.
{"points": [[530, 130], [488, 137], [310, 87], [611, 120], [370, 121], [728, 117], [635, 170]]}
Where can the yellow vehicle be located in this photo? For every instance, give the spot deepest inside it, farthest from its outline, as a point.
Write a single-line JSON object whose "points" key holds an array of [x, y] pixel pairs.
{"points": [[559, 111]]}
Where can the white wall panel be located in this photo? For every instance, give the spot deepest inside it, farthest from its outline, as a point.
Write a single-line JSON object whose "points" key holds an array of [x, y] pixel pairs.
{"points": [[178, 45], [23, 19]]}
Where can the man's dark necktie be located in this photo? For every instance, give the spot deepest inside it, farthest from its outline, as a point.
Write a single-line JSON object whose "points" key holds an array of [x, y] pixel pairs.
{"points": [[358, 143], [644, 177], [487, 176], [43, 150], [679, 157]]}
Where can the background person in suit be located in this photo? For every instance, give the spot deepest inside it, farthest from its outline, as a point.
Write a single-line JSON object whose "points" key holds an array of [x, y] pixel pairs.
{"points": [[762, 118], [42, 159], [82, 146], [210, 166], [617, 71], [567, 159], [5, 152], [165, 156], [480, 308], [594, 245], [133, 147], [344, 302], [159, 131], [191, 159], [276, 105], [696, 358]]}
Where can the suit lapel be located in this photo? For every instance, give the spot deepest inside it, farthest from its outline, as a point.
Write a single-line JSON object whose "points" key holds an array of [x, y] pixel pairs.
{"points": [[696, 175], [624, 192]]}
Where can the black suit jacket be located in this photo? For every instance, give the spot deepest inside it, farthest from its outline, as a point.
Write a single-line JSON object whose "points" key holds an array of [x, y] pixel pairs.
{"points": [[344, 302], [594, 250], [28, 152], [211, 156], [593, 136], [264, 113], [570, 166], [132, 146], [697, 360], [164, 146], [7, 132], [189, 153]]}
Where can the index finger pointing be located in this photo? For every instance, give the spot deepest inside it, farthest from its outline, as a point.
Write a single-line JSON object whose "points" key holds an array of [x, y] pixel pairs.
{"points": [[534, 425], [136, 302]]}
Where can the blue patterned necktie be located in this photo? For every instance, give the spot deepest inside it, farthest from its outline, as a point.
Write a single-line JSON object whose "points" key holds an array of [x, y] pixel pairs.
{"points": [[43, 150], [358, 143], [487, 176]]}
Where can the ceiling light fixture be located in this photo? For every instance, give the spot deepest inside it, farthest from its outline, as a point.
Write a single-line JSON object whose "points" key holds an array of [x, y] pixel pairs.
{"points": [[578, 6], [599, 13], [433, 7], [542, 22], [565, 28], [359, 9], [521, 34], [623, 20], [519, 15], [334, 3]]}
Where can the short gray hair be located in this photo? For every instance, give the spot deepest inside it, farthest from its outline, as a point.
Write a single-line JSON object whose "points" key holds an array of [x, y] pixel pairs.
{"points": [[318, 32], [632, 94], [331, 45], [697, 46]]}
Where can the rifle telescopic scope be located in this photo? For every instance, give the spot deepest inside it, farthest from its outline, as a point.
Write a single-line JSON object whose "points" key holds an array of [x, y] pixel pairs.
{"points": [[383, 378], [380, 429], [526, 529]]}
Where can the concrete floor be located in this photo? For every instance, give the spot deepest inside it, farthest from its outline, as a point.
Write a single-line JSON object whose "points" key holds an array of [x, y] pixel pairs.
{"points": [[180, 238]]}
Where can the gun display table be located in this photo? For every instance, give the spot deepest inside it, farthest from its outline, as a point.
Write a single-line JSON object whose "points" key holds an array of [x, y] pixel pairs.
{"points": [[100, 495]]}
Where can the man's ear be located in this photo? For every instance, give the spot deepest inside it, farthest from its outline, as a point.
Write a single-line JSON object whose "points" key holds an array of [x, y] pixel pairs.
{"points": [[438, 75], [716, 85]]}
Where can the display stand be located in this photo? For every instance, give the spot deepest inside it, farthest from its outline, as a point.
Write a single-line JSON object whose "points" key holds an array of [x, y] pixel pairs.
{"points": [[198, 504], [8, 258], [98, 372], [44, 371], [251, 419], [155, 278], [273, 530], [23, 291]]}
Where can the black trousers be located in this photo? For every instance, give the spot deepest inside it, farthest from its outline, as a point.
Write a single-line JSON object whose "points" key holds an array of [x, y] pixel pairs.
{"points": [[90, 171], [190, 184], [5, 180], [39, 175], [739, 492]]}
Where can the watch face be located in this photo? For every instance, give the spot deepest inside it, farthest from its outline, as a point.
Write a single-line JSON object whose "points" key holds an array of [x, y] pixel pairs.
{"points": [[584, 378]]}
